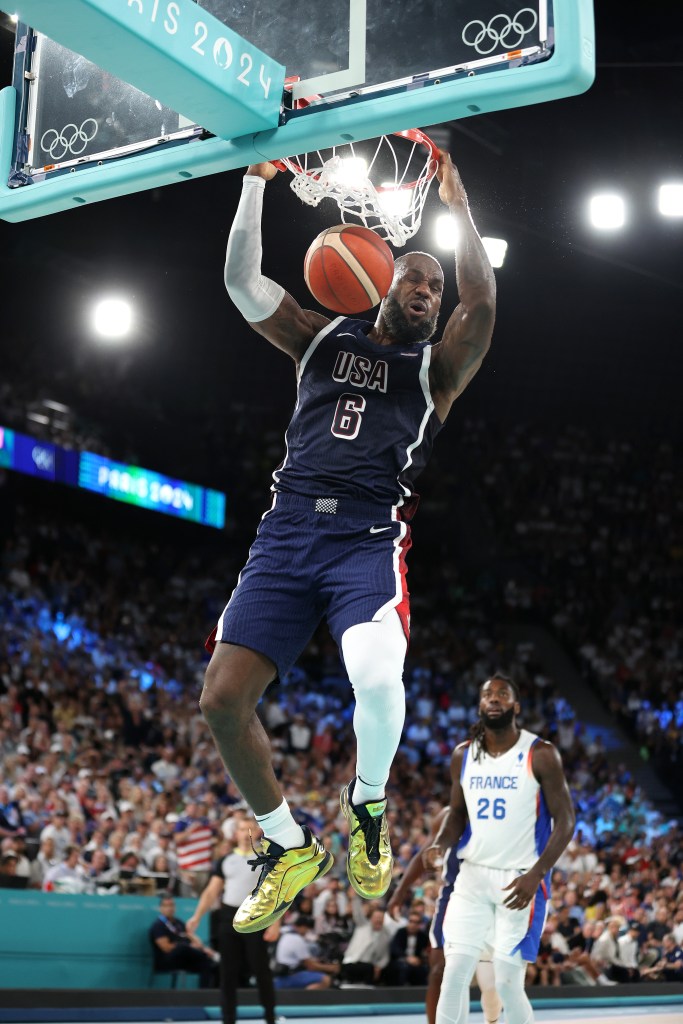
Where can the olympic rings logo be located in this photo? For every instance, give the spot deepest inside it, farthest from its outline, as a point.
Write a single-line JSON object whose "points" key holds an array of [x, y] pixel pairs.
{"points": [[502, 31], [71, 139]]}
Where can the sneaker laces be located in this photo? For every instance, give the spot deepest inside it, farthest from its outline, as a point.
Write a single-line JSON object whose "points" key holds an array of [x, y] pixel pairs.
{"points": [[265, 861], [371, 829]]}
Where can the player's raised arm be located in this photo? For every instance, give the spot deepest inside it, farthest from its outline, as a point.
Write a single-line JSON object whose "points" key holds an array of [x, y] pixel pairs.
{"points": [[467, 336], [269, 309]]}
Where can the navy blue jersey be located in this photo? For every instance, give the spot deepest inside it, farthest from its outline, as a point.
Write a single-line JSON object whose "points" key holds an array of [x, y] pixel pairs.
{"points": [[364, 421]]}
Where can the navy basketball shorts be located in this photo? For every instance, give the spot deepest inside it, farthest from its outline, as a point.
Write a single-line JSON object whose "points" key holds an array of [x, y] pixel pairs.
{"points": [[315, 558]]}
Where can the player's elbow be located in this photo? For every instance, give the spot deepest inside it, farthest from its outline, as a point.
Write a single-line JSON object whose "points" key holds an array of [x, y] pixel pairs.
{"points": [[256, 297]]}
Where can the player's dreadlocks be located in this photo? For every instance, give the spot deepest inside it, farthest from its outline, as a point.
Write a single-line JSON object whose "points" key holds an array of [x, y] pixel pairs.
{"points": [[477, 731]]}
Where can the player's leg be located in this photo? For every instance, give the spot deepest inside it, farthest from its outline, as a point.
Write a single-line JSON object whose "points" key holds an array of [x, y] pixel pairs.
{"points": [[515, 941], [466, 929], [491, 1002], [235, 681], [257, 956], [437, 962], [436, 955], [230, 946], [374, 653], [270, 617], [454, 1000], [510, 986]]}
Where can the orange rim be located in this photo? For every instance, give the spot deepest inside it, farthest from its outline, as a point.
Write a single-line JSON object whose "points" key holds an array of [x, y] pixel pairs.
{"points": [[412, 135]]}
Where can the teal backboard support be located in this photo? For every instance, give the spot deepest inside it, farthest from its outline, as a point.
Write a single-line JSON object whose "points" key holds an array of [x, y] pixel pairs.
{"points": [[154, 45]]}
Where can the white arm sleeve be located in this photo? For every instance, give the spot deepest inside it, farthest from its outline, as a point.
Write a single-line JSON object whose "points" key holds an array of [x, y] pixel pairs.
{"points": [[255, 296]]}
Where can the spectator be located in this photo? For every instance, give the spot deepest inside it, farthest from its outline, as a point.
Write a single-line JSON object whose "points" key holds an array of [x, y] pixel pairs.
{"points": [[100, 876], [409, 950], [295, 964], [58, 831], [8, 871], [333, 929], [605, 952], [162, 844], [299, 734], [69, 876], [669, 966], [133, 876], [194, 845], [629, 950], [368, 951], [10, 814], [548, 965], [17, 844], [332, 888], [176, 949]]}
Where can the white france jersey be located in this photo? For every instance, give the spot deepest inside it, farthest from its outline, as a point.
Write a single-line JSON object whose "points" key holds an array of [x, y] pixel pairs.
{"points": [[509, 823]]}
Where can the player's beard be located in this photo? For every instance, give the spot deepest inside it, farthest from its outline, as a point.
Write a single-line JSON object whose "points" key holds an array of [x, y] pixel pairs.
{"points": [[498, 722], [399, 326]]}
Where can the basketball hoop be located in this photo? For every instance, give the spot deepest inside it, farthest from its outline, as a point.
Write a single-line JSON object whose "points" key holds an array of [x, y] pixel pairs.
{"points": [[392, 208]]}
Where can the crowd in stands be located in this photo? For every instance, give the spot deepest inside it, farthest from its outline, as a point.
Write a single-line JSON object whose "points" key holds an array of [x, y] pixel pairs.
{"points": [[596, 532], [109, 781]]}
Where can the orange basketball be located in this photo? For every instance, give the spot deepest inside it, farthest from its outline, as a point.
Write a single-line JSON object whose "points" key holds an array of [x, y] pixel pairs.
{"points": [[348, 268]]}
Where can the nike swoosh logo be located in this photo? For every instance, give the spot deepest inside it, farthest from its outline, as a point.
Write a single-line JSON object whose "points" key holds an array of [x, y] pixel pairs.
{"points": [[379, 529]]}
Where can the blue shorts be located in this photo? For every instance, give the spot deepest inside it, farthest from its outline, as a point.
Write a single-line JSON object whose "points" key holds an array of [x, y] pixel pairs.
{"points": [[313, 558]]}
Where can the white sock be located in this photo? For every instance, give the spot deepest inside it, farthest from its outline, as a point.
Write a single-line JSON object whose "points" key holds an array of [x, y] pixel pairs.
{"points": [[280, 827], [367, 792]]}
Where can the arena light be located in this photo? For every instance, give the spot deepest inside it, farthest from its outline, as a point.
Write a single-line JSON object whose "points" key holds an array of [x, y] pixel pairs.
{"points": [[49, 403], [352, 171], [671, 199], [394, 201], [113, 318], [495, 250], [446, 231], [607, 211]]}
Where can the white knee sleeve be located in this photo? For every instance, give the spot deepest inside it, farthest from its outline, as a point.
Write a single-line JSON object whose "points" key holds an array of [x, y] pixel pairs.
{"points": [[373, 654], [454, 1001], [510, 986], [256, 296]]}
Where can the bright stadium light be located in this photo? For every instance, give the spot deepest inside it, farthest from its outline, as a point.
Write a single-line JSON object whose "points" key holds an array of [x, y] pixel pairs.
{"points": [[394, 201], [352, 171], [495, 250], [671, 199], [607, 211], [446, 231], [113, 318]]}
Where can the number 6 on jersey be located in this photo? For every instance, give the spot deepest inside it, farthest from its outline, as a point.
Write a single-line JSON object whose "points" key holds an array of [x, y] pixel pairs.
{"points": [[347, 416]]}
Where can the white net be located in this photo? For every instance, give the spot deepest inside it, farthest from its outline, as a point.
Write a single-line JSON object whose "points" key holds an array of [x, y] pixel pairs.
{"points": [[393, 208]]}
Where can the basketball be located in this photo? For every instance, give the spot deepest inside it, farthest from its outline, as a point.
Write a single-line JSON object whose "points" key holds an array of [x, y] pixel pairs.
{"points": [[348, 268]]}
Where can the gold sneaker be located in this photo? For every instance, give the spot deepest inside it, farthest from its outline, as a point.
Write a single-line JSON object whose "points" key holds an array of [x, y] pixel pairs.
{"points": [[369, 862], [284, 873]]}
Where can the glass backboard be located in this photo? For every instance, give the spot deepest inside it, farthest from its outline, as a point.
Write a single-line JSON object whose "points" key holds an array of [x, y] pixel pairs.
{"points": [[114, 96]]}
